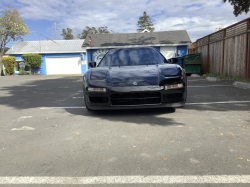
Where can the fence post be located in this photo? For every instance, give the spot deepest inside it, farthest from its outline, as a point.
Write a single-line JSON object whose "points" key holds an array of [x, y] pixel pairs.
{"points": [[247, 56], [208, 40], [223, 47]]}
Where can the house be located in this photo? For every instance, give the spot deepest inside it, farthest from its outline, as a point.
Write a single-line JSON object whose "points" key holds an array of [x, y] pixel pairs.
{"points": [[169, 43], [59, 56]]}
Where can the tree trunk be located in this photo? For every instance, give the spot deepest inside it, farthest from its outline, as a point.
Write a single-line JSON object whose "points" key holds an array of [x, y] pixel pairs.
{"points": [[1, 65]]}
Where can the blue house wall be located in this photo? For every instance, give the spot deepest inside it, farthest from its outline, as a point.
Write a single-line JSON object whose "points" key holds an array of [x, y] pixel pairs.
{"points": [[182, 50], [42, 69]]}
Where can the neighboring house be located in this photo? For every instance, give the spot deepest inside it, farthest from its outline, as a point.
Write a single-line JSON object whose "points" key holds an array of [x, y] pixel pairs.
{"points": [[169, 43], [59, 56]]}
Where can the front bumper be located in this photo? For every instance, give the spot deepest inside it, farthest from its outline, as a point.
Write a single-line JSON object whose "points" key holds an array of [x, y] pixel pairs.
{"points": [[135, 98]]}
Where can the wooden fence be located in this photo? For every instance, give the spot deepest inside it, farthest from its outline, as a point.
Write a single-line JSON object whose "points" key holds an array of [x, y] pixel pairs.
{"points": [[226, 52]]}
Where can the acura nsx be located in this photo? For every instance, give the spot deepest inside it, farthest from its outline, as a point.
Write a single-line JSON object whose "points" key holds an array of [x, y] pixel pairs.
{"points": [[136, 77]]}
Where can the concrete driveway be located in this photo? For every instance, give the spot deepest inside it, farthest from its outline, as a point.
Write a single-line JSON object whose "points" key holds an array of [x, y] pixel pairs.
{"points": [[48, 137]]}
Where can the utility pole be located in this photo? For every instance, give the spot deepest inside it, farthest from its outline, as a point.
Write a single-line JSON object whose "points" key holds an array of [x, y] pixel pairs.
{"points": [[55, 30]]}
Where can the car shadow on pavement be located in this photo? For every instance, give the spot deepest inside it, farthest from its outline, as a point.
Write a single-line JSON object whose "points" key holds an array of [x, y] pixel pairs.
{"points": [[26, 92], [137, 116]]}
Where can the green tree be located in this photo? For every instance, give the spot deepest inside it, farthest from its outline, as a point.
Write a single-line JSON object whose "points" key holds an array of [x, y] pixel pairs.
{"points": [[12, 28], [93, 30], [33, 60], [5, 50], [145, 23], [104, 30], [67, 34], [9, 63], [240, 6]]}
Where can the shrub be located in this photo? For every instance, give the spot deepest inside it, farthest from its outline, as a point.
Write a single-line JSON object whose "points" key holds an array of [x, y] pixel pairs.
{"points": [[33, 60], [22, 72], [9, 63]]}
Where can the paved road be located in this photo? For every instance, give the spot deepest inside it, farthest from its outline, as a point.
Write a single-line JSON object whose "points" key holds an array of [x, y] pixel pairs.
{"points": [[203, 138]]}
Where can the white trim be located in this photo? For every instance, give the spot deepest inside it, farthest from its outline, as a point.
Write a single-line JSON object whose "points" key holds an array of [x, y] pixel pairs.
{"points": [[137, 179], [145, 30], [128, 46]]}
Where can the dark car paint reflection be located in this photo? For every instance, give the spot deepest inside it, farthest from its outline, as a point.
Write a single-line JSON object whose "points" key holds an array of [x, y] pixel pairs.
{"points": [[121, 73]]}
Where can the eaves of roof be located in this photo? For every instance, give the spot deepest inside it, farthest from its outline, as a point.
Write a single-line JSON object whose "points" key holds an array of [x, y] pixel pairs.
{"points": [[153, 45]]}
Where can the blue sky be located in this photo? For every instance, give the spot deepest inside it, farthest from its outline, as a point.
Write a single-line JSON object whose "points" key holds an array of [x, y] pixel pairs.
{"points": [[198, 17]]}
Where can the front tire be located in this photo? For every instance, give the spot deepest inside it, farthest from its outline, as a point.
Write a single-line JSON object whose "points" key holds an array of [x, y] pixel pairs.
{"points": [[185, 98], [85, 101]]}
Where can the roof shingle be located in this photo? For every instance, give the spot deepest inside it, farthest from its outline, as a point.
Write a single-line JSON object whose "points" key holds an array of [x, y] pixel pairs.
{"points": [[148, 38], [44, 46]]}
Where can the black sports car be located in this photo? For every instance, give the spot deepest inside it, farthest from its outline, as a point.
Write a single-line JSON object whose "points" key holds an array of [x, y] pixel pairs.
{"points": [[138, 77]]}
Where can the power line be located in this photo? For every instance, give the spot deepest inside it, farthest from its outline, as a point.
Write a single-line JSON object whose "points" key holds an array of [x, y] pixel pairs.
{"points": [[32, 31], [49, 39], [36, 48], [39, 40]]}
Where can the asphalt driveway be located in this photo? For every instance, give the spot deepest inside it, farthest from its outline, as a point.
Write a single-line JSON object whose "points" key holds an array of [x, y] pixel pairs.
{"points": [[46, 131]]}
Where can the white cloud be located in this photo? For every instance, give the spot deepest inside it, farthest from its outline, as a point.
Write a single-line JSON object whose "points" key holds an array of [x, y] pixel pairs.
{"points": [[198, 17]]}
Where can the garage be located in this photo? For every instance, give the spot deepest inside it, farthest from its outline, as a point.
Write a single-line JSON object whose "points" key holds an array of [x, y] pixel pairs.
{"points": [[70, 65], [168, 51], [58, 56]]}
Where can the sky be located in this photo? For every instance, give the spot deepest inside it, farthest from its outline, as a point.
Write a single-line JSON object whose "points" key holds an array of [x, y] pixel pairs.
{"points": [[198, 17]]}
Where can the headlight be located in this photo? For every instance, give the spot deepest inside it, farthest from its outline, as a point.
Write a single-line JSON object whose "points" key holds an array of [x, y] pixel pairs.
{"points": [[173, 86], [97, 89]]}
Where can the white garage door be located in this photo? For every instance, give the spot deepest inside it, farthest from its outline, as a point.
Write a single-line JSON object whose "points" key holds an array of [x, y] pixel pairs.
{"points": [[168, 52], [71, 65]]}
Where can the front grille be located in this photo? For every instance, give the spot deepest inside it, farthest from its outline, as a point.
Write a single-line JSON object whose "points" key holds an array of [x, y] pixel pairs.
{"points": [[140, 98], [170, 98], [99, 99]]}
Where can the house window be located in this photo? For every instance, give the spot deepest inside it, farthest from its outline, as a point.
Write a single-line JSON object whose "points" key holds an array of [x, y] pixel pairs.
{"points": [[17, 67]]}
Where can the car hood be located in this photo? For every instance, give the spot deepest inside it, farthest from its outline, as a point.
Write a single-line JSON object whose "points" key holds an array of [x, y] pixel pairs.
{"points": [[124, 76], [134, 75]]}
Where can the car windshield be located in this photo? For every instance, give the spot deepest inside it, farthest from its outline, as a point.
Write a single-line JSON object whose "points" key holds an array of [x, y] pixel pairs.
{"points": [[132, 56]]}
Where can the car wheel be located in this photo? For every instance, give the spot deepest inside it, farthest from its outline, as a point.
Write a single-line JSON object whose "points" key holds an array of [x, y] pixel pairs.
{"points": [[85, 101], [185, 98]]}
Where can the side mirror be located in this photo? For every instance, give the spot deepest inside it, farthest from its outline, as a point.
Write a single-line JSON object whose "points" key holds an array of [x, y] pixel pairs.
{"points": [[92, 64], [173, 60]]}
